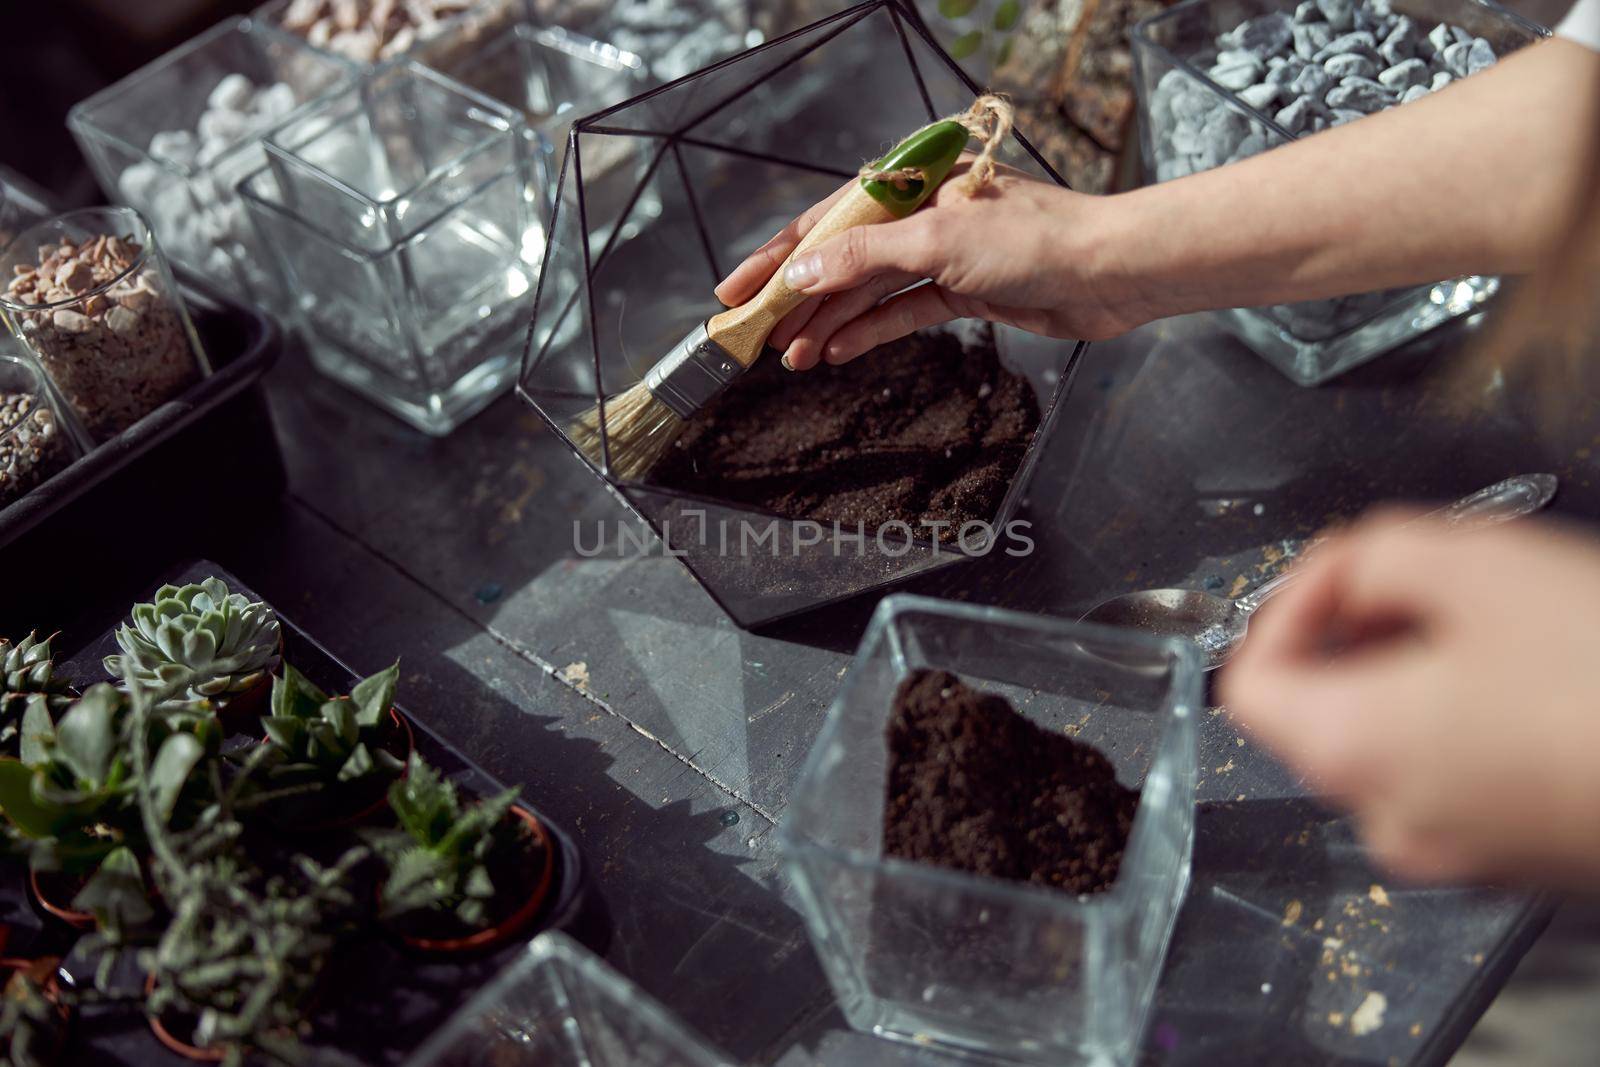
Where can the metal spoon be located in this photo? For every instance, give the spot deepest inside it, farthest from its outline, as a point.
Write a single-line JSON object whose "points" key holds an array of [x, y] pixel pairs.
{"points": [[1218, 624]]}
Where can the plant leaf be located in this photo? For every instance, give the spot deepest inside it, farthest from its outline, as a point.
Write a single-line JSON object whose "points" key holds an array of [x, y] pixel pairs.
{"points": [[375, 695], [85, 737], [1007, 14], [177, 758], [284, 731], [359, 765], [35, 820], [956, 9], [966, 44], [116, 894], [38, 730]]}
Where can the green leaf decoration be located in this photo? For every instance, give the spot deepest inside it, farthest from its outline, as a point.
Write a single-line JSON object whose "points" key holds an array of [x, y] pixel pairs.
{"points": [[1007, 14], [956, 9], [966, 44], [374, 696], [86, 735], [33, 819], [174, 762]]}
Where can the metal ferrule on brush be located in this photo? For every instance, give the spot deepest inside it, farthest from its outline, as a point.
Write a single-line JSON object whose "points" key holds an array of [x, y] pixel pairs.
{"points": [[692, 374]]}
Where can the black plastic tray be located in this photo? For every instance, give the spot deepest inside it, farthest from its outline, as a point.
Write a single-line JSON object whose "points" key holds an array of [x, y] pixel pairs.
{"points": [[161, 491], [382, 1001]]}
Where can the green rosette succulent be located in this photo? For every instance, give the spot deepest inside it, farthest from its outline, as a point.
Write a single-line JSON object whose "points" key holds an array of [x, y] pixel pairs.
{"points": [[198, 642]]}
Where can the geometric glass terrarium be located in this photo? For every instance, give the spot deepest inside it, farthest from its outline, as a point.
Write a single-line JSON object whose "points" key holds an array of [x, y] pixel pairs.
{"points": [[1010, 970], [728, 156], [1188, 123], [560, 1006]]}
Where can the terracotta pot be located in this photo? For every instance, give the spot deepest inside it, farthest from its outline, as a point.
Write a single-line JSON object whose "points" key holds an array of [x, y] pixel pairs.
{"points": [[344, 822], [46, 971], [62, 910], [514, 923], [173, 1043]]}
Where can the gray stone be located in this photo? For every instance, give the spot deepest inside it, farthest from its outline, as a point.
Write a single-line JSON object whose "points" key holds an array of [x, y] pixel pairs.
{"points": [[1440, 80], [1313, 81], [1310, 39], [1440, 38], [1238, 75], [1339, 13], [1287, 72], [1296, 116], [1192, 105], [1186, 138], [1455, 58], [1416, 92], [1461, 35], [1358, 94], [1169, 169], [1319, 124], [1480, 56], [1381, 7], [1351, 66], [1265, 35], [1260, 97], [1253, 145], [1221, 134], [1403, 76], [1342, 115], [1360, 42], [1401, 44], [1308, 11]]}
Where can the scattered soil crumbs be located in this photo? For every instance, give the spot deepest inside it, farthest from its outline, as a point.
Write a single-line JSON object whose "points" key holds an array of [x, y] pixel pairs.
{"points": [[924, 429], [977, 787]]}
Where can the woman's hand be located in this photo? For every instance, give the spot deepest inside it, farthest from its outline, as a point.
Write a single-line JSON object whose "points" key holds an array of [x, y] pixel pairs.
{"points": [[1019, 252], [1446, 687]]}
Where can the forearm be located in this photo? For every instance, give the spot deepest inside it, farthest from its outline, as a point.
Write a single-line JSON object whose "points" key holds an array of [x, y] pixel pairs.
{"points": [[1483, 177]]}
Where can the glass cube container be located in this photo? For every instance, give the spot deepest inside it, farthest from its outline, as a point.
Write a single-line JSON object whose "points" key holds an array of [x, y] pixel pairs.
{"points": [[927, 955], [560, 1006], [1311, 341], [35, 440], [404, 214], [176, 137], [114, 349], [439, 42], [554, 77], [734, 153]]}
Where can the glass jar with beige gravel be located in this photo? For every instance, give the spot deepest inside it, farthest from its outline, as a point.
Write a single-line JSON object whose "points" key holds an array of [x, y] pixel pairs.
{"points": [[91, 296]]}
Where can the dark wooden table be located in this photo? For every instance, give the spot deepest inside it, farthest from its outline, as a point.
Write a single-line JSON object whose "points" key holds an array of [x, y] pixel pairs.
{"points": [[668, 740]]}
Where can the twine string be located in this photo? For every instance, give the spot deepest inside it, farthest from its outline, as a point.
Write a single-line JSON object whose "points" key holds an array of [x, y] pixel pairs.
{"points": [[988, 119]]}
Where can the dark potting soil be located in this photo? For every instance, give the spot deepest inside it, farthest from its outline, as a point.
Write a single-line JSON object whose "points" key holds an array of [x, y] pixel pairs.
{"points": [[516, 866], [977, 787], [922, 429]]}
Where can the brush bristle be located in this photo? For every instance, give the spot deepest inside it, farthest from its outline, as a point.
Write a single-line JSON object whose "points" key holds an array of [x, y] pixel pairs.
{"points": [[639, 430]]}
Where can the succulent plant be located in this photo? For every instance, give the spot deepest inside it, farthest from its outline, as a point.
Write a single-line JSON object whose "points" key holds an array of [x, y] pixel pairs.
{"points": [[330, 739], [32, 1025], [27, 670], [198, 641], [438, 859]]}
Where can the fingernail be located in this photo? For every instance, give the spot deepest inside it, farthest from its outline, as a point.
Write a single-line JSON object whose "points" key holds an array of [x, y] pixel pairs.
{"points": [[803, 273], [785, 361]]}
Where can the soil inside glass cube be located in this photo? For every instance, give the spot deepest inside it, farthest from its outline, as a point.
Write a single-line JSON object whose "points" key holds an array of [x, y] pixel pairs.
{"points": [[927, 431], [975, 786]]}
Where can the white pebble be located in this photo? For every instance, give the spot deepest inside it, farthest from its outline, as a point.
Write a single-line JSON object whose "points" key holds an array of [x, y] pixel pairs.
{"points": [[179, 146], [232, 93]]}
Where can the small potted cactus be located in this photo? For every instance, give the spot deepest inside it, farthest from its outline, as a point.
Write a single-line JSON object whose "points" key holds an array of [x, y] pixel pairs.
{"points": [[27, 670], [346, 750], [34, 1013], [218, 649], [462, 877]]}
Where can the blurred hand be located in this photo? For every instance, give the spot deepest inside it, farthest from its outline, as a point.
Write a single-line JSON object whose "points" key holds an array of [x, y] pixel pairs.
{"points": [[1019, 252], [1446, 687]]}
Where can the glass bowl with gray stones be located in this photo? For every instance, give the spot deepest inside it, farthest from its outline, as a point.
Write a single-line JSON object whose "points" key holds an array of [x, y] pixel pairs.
{"points": [[1223, 80]]}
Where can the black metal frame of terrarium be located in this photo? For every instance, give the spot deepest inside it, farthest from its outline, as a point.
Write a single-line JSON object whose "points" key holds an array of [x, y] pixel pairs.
{"points": [[662, 194]]}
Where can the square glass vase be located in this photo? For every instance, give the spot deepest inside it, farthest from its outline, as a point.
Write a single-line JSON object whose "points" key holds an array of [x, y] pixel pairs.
{"points": [[1311, 341], [716, 164], [156, 143], [404, 214], [1006, 970], [558, 1005]]}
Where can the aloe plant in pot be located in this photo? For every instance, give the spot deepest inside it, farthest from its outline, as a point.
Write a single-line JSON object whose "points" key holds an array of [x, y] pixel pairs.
{"points": [[350, 747], [27, 672], [211, 646], [462, 877]]}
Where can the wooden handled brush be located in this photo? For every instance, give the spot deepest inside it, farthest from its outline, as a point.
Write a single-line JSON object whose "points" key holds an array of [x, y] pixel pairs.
{"points": [[640, 424]]}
